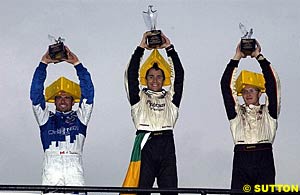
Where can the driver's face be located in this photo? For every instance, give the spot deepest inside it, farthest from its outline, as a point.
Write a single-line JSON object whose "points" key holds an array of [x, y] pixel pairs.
{"points": [[155, 80], [64, 102]]}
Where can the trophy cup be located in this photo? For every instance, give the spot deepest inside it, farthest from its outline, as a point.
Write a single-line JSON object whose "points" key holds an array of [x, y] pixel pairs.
{"points": [[154, 40], [57, 51], [248, 44]]}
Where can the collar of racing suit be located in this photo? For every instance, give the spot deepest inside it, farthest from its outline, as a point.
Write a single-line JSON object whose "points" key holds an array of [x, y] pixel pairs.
{"points": [[58, 113], [252, 108], [159, 94]]}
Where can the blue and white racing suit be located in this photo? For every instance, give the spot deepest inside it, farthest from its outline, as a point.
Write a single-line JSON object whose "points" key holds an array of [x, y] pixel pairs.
{"points": [[62, 134]]}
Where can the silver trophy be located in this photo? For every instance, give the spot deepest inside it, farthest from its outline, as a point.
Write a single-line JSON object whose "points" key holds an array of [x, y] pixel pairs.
{"points": [[57, 50], [248, 44], [154, 40]]}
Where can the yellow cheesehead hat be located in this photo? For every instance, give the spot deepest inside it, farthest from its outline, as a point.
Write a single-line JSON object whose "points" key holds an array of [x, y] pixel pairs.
{"points": [[62, 84], [155, 57], [250, 78]]}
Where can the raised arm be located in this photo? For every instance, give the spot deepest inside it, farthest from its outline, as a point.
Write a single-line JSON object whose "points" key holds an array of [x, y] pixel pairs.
{"points": [[37, 90], [177, 85], [272, 87], [272, 84], [228, 84], [86, 86], [37, 85], [177, 74], [132, 72], [227, 87], [39, 77], [85, 81]]}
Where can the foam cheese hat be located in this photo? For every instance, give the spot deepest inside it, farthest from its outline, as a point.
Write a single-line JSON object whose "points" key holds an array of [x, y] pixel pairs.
{"points": [[62, 84], [155, 57], [250, 78]]}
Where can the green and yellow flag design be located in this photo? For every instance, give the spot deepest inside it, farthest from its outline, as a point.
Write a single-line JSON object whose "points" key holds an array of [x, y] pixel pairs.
{"points": [[133, 172]]}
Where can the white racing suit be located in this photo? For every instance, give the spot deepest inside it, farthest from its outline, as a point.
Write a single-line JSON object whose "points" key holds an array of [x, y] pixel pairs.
{"points": [[252, 124], [62, 134], [156, 113], [253, 128]]}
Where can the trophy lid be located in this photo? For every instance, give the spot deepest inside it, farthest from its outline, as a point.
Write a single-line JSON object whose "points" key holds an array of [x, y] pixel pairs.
{"points": [[249, 78], [155, 56], [62, 84]]}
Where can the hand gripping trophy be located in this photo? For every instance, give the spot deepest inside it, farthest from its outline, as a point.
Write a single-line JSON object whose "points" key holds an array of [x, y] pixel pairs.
{"points": [[154, 40]]}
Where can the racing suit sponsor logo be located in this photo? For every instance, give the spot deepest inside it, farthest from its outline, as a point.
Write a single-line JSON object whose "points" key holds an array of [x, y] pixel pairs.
{"points": [[156, 106], [63, 130], [70, 119]]}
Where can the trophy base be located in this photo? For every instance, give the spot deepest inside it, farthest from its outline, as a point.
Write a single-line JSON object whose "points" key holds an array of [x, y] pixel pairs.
{"points": [[154, 40], [248, 46], [58, 52]]}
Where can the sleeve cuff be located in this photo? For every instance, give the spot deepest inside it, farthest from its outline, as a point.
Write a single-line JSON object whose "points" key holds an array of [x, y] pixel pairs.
{"points": [[43, 65], [78, 62], [79, 67], [264, 62], [170, 50]]}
